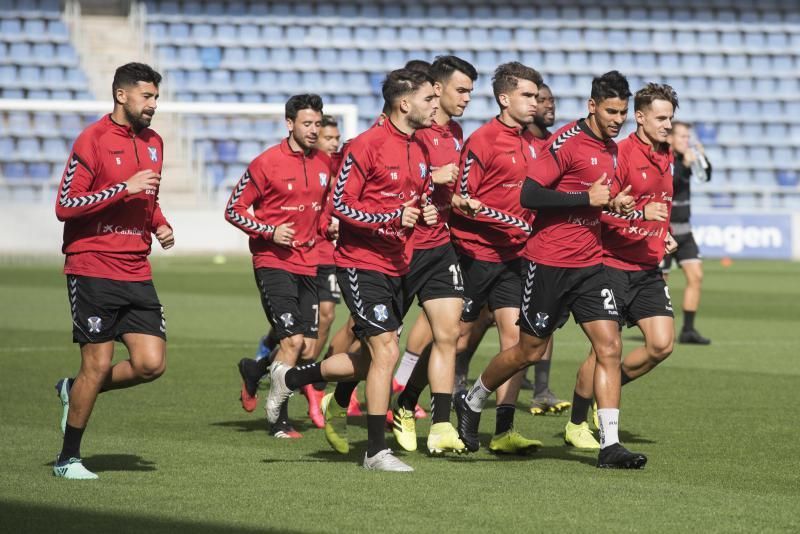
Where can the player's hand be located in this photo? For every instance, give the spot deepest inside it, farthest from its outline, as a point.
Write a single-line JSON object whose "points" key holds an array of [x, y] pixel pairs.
{"points": [[600, 193], [688, 157], [430, 214], [445, 174], [165, 236], [624, 202], [283, 234], [332, 231], [468, 206], [670, 245], [655, 211], [141, 181], [410, 214]]}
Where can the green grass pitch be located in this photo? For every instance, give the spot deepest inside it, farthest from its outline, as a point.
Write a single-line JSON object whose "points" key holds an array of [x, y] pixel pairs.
{"points": [[718, 423]]}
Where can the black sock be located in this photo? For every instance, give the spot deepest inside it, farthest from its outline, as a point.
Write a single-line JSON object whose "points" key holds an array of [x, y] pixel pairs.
{"points": [[541, 377], [303, 375], [272, 340], [625, 378], [441, 403], [320, 386], [343, 392], [263, 365], [505, 418], [283, 417], [462, 362], [580, 406], [72, 443], [408, 397], [688, 320], [376, 439]]}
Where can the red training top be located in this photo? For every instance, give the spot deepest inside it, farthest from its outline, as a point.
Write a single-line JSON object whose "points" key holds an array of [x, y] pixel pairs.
{"points": [[494, 163], [635, 245], [107, 232], [282, 186], [573, 160], [383, 169], [444, 146]]}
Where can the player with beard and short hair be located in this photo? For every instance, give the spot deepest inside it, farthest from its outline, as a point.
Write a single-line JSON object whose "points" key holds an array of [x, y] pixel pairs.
{"points": [[633, 249], [380, 195], [286, 185], [108, 229], [494, 164], [568, 186], [434, 276]]}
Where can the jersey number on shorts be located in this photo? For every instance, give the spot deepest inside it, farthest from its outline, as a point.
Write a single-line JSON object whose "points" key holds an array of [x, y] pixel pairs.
{"points": [[332, 283], [609, 303], [455, 270]]}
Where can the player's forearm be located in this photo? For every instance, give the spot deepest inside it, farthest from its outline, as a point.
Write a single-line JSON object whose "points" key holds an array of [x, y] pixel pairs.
{"points": [[70, 204], [242, 220], [534, 196]]}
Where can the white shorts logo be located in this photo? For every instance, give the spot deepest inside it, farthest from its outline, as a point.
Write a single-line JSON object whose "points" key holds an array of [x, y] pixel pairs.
{"points": [[381, 313], [95, 325], [542, 320], [287, 319]]}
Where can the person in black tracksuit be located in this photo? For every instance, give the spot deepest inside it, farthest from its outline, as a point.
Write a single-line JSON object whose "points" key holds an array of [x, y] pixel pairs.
{"points": [[688, 255]]}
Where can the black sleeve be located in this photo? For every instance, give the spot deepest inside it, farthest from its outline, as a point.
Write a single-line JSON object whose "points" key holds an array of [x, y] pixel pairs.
{"points": [[534, 196]]}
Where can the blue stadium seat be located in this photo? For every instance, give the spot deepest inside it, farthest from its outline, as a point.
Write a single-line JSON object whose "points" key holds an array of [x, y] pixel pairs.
{"points": [[15, 170], [233, 57], [10, 27], [40, 171], [244, 80], [248, 150], [55, 149], [208, 56], [303, 57], [280, 56], [372, 58], [266, 79], [18, 123], [227, 32], [288, 80], [197, 78], [787, 178], [236, 8], [227, 151], [178, 31], [202, 32], [220, 78], [7, 149], [500, 36], [256, 57], [13, 93], [295, 34], [272, 32], [70, 125], [249, 33]]}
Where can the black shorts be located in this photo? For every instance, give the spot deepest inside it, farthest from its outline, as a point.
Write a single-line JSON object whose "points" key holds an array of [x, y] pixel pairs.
{"points": [[375, 300], [327, 286], [497, 284], [640, 294], [103, 310], [434, 274], [551, 293], [290, 302], [687, 251]]}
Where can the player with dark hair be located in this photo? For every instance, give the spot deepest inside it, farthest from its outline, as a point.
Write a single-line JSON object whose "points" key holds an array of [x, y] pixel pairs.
{"points": [[538, 135], [108, 226], [633, 249], [380, 194], [286, 186], [494, 164], [434, 276], [568, 186], [690, 162]]}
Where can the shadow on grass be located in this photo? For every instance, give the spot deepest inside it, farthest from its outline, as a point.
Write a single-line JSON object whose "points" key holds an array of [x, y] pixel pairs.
{"points": [[543, 453], [100, 463], [24, 517], [630, 437], [260, 424]]}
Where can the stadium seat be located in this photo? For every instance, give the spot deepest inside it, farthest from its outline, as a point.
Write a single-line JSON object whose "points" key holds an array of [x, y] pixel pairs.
{"points": [[15, 169]]}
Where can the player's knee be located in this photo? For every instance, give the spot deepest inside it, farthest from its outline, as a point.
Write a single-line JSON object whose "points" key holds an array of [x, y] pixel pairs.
{"points": [[326, 315], [96, 371], [609, 349], [292, 344], [659, 350], [447, 336], [151, 367], [531, 348]]}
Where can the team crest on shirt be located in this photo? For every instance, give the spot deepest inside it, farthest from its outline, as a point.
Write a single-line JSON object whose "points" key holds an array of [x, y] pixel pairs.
{"points": [[542, 319], [615, 161], [288, 320], [95, 324], [672, 169], [533, 151], [153, 154], [381, 312], [323, 179], [458, 145], [423, 170]]}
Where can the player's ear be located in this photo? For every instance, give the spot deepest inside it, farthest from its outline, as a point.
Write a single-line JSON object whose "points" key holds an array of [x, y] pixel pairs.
{"points": [[405, 106], [504, 100], [639, 116], [289, 124], [438, 88], [120, 95]]}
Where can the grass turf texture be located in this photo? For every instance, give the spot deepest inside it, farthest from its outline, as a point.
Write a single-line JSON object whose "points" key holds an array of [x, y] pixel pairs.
{"points": [[718, 424]]}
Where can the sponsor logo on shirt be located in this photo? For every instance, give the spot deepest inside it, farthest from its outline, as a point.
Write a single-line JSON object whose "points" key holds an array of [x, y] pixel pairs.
{"points": [[583, 221], [117, 229], [513, 184], [301, 208], [644, 232]]}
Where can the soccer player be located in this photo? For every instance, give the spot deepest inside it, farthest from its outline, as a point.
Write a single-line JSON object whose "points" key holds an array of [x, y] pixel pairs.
{"points": [[380, 194], [538, 135], [434, 276], [688, 255], [569, 186], [633, 249], [251, 370], [286, 186], [109, 221], [494, 164]]}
